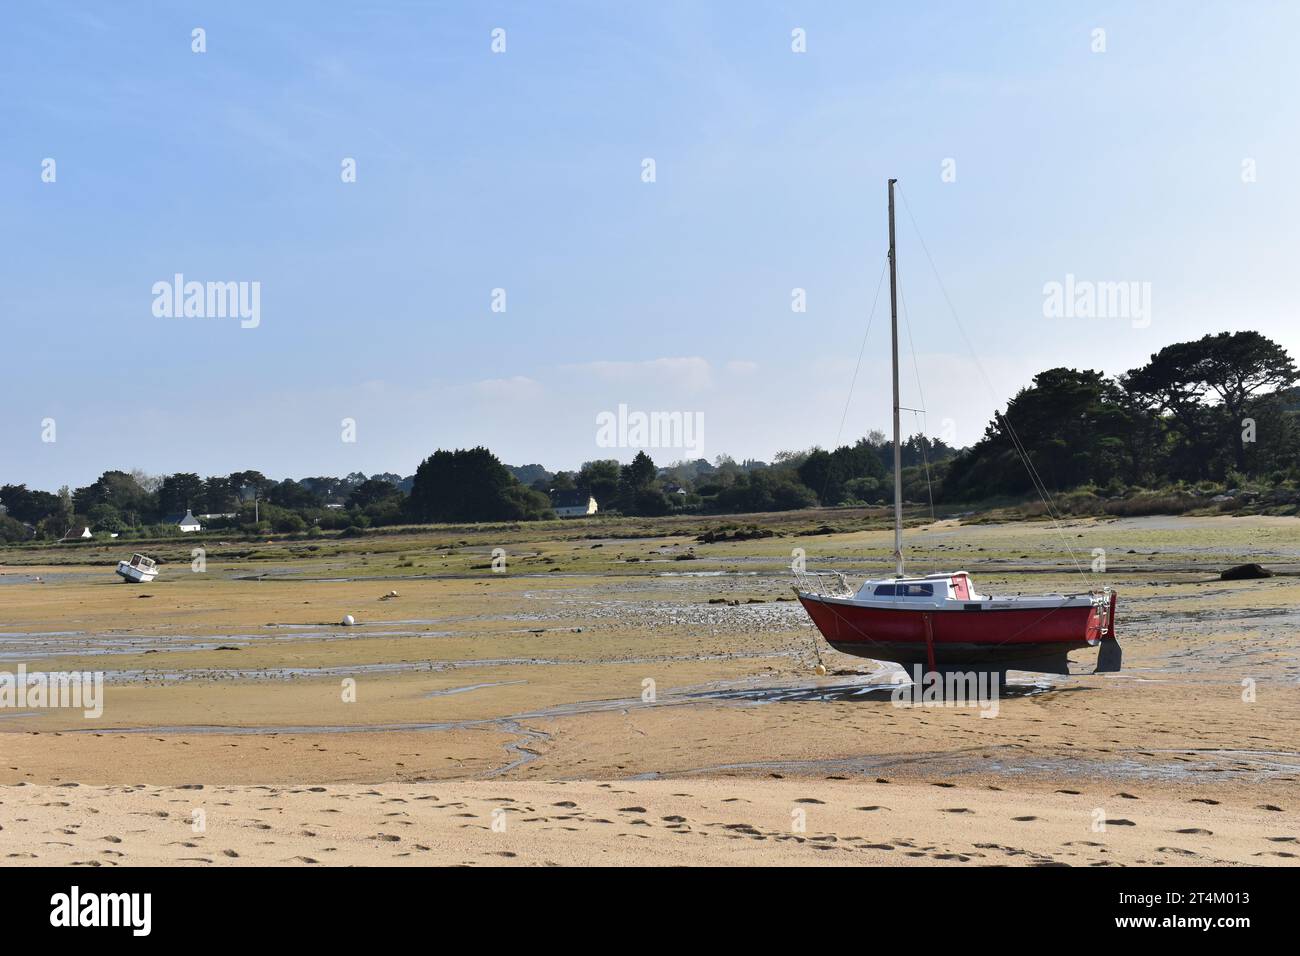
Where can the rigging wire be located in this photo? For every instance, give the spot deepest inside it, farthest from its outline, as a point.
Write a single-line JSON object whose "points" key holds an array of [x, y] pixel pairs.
{"points": [[1035, 479], [861, 349], [853, 384], [918, 415]]}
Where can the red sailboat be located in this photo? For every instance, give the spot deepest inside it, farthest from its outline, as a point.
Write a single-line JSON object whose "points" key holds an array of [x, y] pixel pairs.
{"points": [[940, 620]]}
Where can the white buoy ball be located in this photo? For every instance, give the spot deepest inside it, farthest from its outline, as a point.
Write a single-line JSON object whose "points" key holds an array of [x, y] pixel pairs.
{"points": [[348, 620]]}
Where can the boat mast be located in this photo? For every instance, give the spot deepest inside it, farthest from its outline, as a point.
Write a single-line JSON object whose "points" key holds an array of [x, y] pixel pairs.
{"points": [[898, 452]]}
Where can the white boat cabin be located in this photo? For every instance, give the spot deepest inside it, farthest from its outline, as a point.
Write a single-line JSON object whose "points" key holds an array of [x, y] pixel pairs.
{"points": [[933, 590], [139, 570], [956, 591]]}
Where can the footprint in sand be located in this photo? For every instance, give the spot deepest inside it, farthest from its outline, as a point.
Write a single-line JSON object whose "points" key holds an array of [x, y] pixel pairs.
{"points": [[1195, 831], [631, 809], [1270, 807], [874, 807], [1213, 803], [1121, 823], [1024, 819], [808, 800], [956, 810]]}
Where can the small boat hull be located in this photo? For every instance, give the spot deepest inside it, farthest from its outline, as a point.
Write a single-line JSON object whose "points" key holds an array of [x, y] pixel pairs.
{"points": [[1036, 638], [134, 575]]}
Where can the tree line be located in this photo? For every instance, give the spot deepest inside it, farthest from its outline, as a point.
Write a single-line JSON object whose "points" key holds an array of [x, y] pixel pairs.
{"points": [[454, 486], [1217, 412]]}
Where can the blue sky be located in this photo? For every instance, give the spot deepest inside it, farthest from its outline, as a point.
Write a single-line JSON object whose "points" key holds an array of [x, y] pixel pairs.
{"points": [[522, 171]]}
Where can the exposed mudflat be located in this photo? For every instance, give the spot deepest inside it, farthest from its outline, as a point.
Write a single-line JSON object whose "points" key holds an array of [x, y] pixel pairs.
{"points": [[600, 663]]}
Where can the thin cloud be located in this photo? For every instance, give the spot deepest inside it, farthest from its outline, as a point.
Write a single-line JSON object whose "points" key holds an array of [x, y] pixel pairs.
{"points": [[515, 388], [688, 372]]}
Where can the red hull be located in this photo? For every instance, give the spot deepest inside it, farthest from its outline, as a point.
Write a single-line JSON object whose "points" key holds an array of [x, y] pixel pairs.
{"points": [[1025, 636]]}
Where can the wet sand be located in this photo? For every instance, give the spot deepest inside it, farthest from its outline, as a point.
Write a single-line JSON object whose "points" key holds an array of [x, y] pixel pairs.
{"points": [[583, 672]]}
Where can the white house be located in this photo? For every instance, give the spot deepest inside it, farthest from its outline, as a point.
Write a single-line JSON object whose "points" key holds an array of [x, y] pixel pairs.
{"points": [[572, 504], [186, 523]]}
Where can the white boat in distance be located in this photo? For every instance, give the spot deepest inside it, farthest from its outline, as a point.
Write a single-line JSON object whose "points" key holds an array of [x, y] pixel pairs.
{"points": [[139, 570]]}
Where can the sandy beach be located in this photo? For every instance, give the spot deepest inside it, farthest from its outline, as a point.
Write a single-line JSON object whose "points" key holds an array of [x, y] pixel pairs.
{"points": [[697, 821], [625, 693]]}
